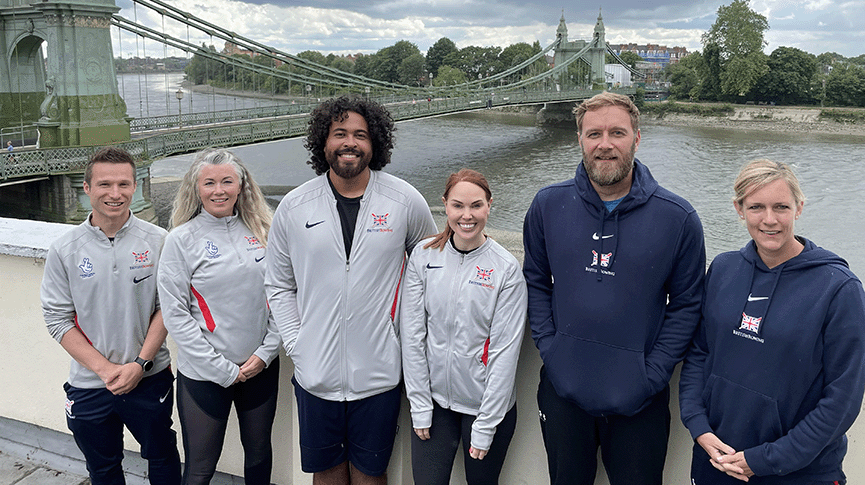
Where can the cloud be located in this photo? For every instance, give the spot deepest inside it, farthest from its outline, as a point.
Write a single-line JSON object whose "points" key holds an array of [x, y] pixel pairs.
{"points": [[353, 26]]}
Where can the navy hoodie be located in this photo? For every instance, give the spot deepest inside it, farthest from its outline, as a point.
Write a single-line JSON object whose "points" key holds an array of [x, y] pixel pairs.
{"points": [[777, 368], [598, 286]]}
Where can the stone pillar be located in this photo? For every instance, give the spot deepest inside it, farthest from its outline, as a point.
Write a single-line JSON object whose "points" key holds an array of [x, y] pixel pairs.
{"points": [[83, 106], [598, 54]]}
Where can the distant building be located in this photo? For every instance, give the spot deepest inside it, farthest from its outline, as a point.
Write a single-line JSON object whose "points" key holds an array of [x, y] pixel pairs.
{"points": [[231, 48], [618, 76], [653, 53]]}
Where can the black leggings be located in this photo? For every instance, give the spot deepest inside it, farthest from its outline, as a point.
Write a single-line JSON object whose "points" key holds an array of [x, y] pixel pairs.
{"points": [[432, 460], [204, 406]]}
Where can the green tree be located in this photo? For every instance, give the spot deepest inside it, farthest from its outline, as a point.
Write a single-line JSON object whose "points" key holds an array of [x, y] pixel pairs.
{"points": [[410, 70], [448, 76], [710, 74], [389, 59], [200, 67], [475, 61], [437, 53], [515, 54], [313, 56], [684, 76], [845, 86], [738, 32], [790, 76], [631, 58], [342, 64]]}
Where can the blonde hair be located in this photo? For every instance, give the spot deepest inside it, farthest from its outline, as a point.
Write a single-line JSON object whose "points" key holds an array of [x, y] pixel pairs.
{"points": [[464, 175], [759, 173], [603, 100], [250, 206]]}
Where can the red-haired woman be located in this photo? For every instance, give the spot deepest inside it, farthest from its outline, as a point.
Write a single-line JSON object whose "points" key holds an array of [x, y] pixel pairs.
{"points": [[462, 319]]}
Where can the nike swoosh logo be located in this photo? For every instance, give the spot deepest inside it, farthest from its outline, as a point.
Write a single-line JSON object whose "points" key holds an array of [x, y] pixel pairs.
{"points": [[757, 298], [163, 398], [596, 237], [433, 267], [258, 260], [308, 225], [139, 280]]}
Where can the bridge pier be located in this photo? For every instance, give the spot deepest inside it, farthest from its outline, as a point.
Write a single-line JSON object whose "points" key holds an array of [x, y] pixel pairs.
{"points": [[557, 114], [61, 198]]}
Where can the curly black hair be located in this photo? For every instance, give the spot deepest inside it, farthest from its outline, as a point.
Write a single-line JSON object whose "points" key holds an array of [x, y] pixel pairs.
{"points": [[378, 119]]}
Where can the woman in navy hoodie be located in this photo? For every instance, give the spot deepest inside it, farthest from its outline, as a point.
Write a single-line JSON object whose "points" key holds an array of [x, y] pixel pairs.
{"points": [[776, 373]]}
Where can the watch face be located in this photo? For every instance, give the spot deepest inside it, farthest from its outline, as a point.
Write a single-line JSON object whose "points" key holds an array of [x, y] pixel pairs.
{"points": [[148, 364]]}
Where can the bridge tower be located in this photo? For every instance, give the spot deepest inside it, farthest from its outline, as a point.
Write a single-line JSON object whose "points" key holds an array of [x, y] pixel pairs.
{"points": [[75, 101], [596, 56]]}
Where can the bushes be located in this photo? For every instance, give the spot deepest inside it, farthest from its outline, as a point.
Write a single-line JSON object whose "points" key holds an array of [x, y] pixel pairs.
{"points": [[662, 109], [843, 116]]}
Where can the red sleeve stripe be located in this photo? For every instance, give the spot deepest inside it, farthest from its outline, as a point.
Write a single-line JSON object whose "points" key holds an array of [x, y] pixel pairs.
{"points": [[486, 355], [396, 294], [205, 310], [82, 331]]}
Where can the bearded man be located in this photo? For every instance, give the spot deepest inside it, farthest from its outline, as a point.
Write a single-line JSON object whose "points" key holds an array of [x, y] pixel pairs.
{"points": [[614, 265], [335, 258]]}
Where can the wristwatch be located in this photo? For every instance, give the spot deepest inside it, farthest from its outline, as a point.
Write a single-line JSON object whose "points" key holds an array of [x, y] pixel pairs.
{"points": [[145, 364]]}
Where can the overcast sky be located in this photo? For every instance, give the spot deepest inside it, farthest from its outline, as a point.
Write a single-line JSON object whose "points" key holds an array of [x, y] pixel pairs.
{"points": [[352, 26]]}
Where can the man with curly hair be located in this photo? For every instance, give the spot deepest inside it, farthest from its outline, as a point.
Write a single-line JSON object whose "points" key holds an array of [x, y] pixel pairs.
{"points": [[335, 259]]}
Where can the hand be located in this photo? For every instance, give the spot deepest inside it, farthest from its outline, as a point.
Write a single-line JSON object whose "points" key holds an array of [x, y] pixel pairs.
{"points": [[422, 433], [252, 367], [476, 453], [736, 466], [123, 378], [714, 447]]}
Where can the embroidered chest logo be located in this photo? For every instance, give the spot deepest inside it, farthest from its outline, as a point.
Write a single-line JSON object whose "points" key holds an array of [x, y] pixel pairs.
{"points": [[483, 277], [86, 268], [212, 250], [749, 323], [379, 223], [604, 259], [141, 260], [253, 243]]}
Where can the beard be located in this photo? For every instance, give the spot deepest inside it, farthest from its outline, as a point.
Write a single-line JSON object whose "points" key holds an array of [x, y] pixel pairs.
{"points": [[347, 171], [603, 173]]}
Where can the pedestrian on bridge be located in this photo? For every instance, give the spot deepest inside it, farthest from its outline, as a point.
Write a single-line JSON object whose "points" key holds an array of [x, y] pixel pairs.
{"points": [[614, 265], [337, 249]]}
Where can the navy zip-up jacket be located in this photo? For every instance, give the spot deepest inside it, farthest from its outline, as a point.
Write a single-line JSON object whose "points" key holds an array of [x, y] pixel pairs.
{"points": [[614, 297], [777, 368]]}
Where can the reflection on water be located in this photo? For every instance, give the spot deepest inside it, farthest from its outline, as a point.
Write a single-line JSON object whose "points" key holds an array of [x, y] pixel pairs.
{"points": [[519, 158], [154, 94]]}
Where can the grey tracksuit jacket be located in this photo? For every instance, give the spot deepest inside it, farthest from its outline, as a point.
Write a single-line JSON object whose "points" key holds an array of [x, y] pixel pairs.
{"points": [[337, 317], [211, 287], [107, 289], [462, 320]]}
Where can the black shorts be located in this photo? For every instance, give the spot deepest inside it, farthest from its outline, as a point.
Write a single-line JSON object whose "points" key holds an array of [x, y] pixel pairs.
{"points": [[361, 432]]}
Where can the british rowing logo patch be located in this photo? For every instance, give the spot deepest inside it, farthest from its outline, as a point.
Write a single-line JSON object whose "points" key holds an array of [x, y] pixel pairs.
{"points": [[69, 403]]}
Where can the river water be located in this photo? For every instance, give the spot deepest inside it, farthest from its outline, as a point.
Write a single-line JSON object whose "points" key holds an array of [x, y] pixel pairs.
{"points": [[518, 158]]}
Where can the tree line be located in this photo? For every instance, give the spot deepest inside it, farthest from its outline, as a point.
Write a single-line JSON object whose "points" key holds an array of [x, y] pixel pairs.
{"points": [[733, 67], [402, 63]]}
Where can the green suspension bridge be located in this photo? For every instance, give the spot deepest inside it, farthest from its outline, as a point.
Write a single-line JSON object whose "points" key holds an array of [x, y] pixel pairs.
{"points": [[58, 108]]}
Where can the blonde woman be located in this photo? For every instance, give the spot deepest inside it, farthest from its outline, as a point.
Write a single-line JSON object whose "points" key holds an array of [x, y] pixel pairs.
{"points": [[211, 289]]}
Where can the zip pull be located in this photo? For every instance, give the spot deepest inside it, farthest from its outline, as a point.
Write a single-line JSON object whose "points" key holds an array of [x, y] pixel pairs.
{"points": [[347, 266]]}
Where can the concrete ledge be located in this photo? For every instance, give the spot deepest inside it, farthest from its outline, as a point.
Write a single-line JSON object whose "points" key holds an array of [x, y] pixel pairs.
{"points": [[29, 239]]}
